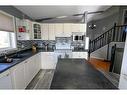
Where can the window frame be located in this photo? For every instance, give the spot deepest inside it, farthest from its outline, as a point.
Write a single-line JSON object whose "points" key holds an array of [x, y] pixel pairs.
{"points": [[10, 38]]}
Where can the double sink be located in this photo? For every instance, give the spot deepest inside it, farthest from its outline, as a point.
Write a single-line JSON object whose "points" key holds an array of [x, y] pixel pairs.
{"points": [[15, 57]]}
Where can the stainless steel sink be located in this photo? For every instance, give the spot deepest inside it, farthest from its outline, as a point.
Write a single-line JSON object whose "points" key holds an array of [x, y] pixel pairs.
{"points": [[13, 60]]}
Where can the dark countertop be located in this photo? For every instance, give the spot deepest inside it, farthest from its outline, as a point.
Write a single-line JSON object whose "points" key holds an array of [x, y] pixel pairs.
{"points": [[27, 53], [78, 74]]}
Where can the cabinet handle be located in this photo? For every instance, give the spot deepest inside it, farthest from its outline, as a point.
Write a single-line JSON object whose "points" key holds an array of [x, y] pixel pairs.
{"points": [[25, 61], [7, 75]]}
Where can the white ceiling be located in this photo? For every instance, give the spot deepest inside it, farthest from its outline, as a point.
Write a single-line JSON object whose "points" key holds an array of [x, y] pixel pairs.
{"points": [[38, 12]]}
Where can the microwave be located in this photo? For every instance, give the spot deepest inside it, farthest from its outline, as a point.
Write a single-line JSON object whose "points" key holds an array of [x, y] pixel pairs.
{"points": [[78, 36]]}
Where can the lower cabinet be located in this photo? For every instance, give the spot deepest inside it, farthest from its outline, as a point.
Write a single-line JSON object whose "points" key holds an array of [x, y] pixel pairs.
{"points": [[80, 55], [5, 80], [49, 60], [28, 71], [24, 72], [18, 76]]}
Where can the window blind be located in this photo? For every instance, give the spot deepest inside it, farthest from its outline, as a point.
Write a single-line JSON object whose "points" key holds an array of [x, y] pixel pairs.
{"points": [[6, 22]]}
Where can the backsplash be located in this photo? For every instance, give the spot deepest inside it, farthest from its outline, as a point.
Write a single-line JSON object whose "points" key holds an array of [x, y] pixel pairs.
{"points": [[27, 44], [24, 44]]}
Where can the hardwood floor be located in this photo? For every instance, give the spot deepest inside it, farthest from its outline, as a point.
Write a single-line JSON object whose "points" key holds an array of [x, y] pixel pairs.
{"points": [[100, 64]]}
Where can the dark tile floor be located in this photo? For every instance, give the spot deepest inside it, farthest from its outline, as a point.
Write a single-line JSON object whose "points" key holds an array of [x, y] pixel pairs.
{"points": [[78, 74], [69, 76], [42, 80]]}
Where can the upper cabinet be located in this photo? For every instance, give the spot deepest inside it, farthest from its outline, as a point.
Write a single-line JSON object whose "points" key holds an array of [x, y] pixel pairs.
{"points": [[59, 29], [83, 28], [23, 29], [45, 31], [51, 31], [78, 27], [75, 27], [67, 29], [36, 30], [48, 31]]}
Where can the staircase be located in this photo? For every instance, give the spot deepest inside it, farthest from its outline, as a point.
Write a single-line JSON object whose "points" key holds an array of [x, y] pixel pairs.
{"points": [[116, 34]]}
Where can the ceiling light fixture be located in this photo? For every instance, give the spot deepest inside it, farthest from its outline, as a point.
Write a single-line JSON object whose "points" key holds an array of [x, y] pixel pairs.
{"points": [[92, 26], [61, 17]]}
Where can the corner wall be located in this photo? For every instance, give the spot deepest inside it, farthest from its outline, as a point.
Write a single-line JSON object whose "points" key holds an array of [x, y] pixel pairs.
{"points": [[102, 52]]}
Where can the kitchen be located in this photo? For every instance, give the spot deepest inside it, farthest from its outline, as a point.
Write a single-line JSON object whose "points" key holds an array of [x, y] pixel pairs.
{"points": [[31, 49]]}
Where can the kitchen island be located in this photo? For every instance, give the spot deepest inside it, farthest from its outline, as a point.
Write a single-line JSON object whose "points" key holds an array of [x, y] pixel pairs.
{"points": [[78, 74]]}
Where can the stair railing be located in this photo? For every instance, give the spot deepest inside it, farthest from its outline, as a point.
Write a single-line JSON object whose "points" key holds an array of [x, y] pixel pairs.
{"points": [[114, 34]]}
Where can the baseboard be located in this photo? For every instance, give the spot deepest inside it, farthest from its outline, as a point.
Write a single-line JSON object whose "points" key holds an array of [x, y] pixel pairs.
{"points": [[98, 58]]}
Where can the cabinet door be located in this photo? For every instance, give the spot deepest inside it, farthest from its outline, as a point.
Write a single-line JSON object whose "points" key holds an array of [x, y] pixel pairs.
{"points": [[52, 60], [5, 80], [28, 76], [75, 28], [59, 30], [23, 36], [51, 32], [43, 60], [80, 55], [75, 54], [36, 30], [45, 30], [37, 62], [67, 30], [18, 76], [123, 82], [83, 28], [83, 55], [49, 60]]}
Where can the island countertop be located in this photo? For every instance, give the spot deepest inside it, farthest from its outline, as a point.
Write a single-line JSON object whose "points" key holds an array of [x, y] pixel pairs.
{"points": [[78, 74]]}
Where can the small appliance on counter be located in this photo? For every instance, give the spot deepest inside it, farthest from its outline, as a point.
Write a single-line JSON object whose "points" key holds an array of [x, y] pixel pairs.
{"points": [[78, 36], [34, 47], [6, 60], [46, 46]]}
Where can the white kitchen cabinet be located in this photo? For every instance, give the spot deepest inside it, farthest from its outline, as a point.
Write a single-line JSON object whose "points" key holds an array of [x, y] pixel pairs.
{"points": [[80, 27], [5, 80], [51, 31], [27, 35], [45, 31], [27, 73], [37, 62], [59, 32], [32, 67], [83, 28], [75, 27], [80, 55], [49, 60], [18, 76], [36, 31], [123, 82], [67, 30], [123, 74], [23, 36]]}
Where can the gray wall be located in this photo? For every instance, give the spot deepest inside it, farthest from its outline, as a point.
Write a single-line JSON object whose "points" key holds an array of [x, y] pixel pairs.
{"points": [[102, 25], [116, 16], [14, 11], [121, 12], [102, 52]]}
